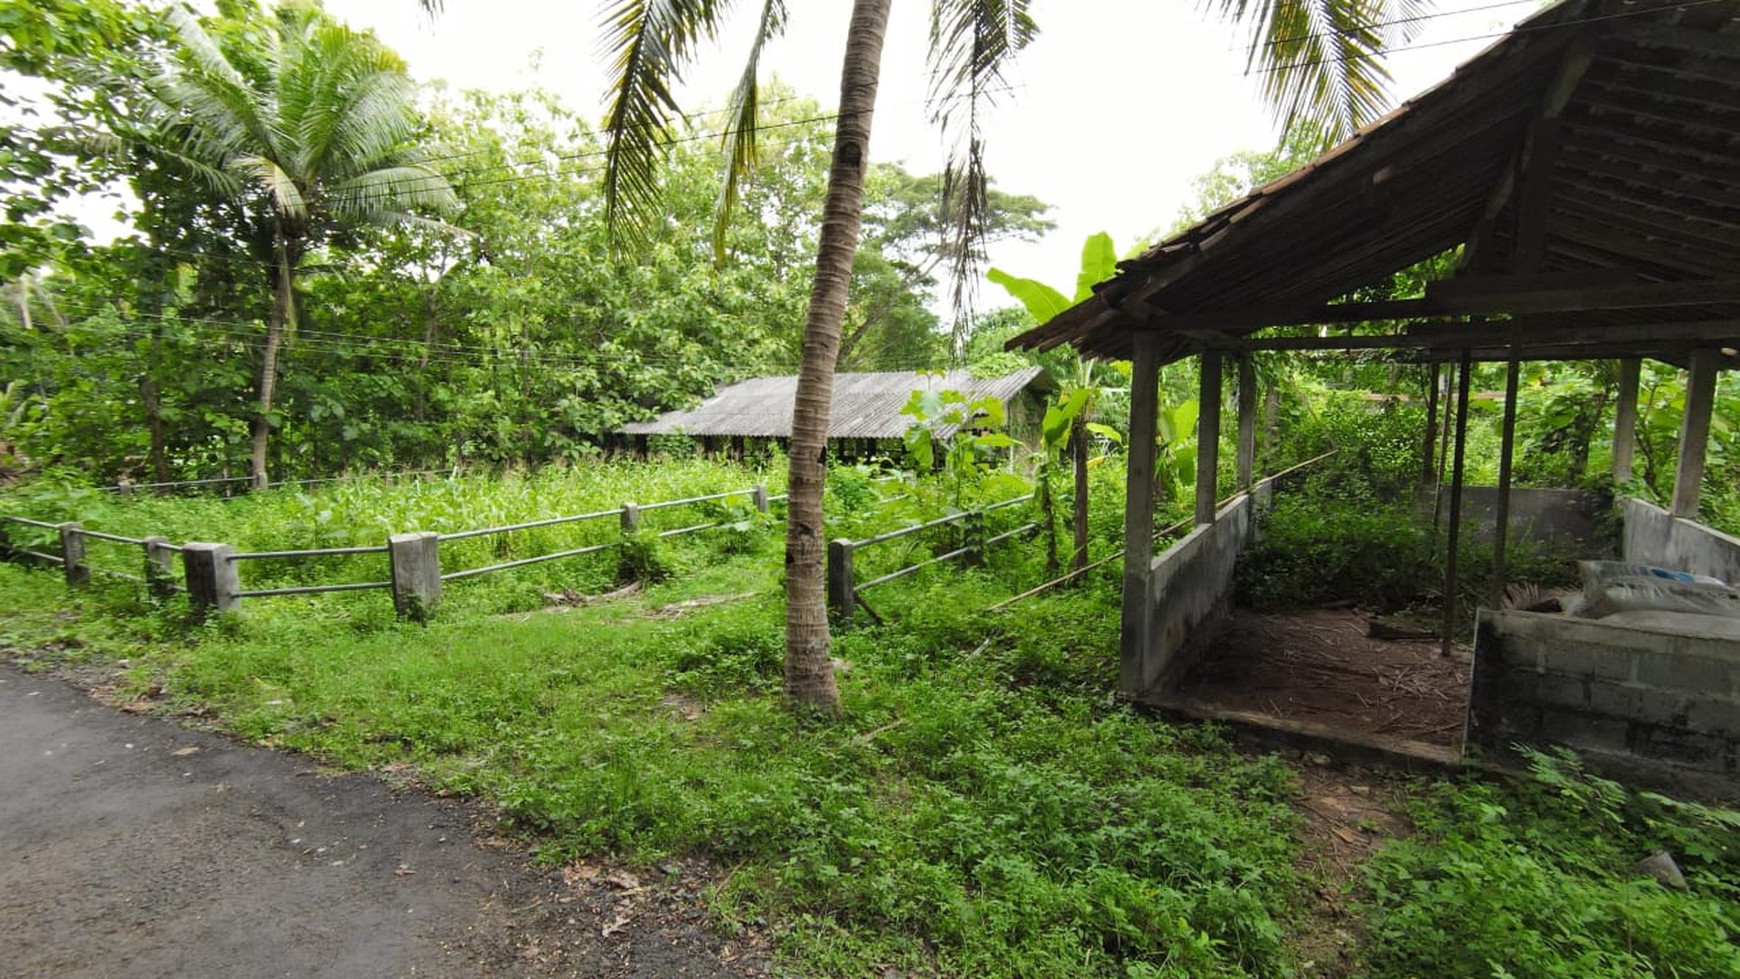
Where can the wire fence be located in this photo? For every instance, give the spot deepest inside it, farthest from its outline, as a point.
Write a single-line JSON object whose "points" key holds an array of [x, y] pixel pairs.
{"points": [[211, 575]]}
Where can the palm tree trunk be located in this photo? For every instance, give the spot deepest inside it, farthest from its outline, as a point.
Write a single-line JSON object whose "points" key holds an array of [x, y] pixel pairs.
{"points": [[809, 671], [275, 327]]}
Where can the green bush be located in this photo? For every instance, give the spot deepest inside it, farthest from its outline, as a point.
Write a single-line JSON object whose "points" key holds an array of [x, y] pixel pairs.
{"points": [[1536, 879]]}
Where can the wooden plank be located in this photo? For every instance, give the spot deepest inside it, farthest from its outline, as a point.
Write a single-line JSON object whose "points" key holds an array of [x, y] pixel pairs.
{"points": [[1625, 421], [1506, 453], [1619, 163], [1430, 444], [1695, 433], [1134, 641], [1247, 455], [1208, 436], [1457, 469], [1650, 33]]}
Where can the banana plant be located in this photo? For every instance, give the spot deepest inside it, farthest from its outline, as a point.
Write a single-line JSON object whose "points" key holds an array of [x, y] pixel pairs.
{"points": [[1067, 421]]}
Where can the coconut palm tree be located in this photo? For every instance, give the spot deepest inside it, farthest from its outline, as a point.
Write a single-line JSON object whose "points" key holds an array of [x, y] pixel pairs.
{"points": [[1315, 59], [307, 128]]}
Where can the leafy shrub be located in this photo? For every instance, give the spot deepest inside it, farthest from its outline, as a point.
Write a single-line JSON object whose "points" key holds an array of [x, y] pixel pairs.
{"points": [[1314, 550], [1535, 879]]}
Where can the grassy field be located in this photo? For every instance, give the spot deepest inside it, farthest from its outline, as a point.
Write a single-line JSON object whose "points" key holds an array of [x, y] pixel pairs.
{"points": [[986, 807]]}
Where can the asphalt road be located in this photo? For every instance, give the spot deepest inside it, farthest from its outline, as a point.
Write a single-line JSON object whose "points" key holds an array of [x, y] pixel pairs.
{"points": [[133, 847]]}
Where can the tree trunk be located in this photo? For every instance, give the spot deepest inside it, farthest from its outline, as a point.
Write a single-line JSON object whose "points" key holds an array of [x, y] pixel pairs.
{"points": [[809, 671], [282, 312], [1079, 439]]}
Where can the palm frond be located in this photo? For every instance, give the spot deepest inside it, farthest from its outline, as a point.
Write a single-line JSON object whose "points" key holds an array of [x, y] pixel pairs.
{"points": [[972, 42], [379, 196], [280, 187], [743, 119], [1319, 61], [647, 44]]}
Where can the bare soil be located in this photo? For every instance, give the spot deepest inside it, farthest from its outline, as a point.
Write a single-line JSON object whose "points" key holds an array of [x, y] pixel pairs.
{"points": [[1320, 666], [138, 847]]}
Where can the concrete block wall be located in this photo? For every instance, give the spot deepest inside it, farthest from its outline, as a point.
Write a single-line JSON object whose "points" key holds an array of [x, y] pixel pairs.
{"points": [[1647, 705], [1559, 518], [1653, 536], [1189, 588]]}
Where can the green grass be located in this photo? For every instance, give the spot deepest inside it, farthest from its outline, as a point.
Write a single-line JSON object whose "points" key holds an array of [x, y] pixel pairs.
{"points": [[984, 808]]}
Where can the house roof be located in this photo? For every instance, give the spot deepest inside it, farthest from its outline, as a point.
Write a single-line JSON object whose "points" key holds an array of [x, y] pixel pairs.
{"points": [[1588, 163], [866, 405]]}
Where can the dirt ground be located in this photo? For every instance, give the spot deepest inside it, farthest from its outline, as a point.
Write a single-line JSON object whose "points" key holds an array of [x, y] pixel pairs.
{"points": [[1320, 666], [136, 847]]}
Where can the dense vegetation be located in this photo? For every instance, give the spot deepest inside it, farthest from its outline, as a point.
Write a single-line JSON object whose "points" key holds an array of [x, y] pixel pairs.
{"points": [[985, 807]]}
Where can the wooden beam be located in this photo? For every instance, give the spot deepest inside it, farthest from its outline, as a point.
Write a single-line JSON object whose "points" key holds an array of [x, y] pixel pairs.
{"points": [[1134, 641], [1430, 443], [1247, 454], [1452, 548], [1208, 437], [1506, 452], [1695, 433], [1625, 421]]}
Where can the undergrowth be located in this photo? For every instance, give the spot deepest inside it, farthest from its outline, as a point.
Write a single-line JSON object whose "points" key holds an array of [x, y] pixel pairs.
{"points": [[1537, 878]]}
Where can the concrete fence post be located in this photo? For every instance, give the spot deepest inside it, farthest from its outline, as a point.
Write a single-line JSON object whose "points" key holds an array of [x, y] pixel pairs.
{"points": [[72, 554], [212, 581], [630, 518], [416, 572], [159, 566], [842, 593], [759, 496]]}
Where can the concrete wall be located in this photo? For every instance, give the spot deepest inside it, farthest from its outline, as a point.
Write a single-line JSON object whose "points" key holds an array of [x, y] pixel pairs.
{"points": [[1189, 586], [1646, 705], [1559, 518], [1652, 536]]}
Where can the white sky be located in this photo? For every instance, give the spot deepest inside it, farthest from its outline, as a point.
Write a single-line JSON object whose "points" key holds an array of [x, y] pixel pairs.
{"points": [[1114, 108], [1112, 111]]}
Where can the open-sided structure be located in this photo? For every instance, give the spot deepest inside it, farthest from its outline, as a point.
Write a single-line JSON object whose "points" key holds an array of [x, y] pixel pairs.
{"points": [[867, 406], [1586, 167]]}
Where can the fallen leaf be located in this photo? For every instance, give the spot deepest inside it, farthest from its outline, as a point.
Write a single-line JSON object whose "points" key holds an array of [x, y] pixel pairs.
{"points": [[624, 880], [184, 752]]}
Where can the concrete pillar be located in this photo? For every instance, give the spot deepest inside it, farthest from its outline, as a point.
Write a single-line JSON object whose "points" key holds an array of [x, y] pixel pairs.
{"points": [[1134, 639], [212, 582], [842, 593], [1208, 437], [759, 496], [1453, 547], [1247, 455], [1625, 421], [416, 573], [630, 518], [159, 566], [1695, 433], [72, 554]]}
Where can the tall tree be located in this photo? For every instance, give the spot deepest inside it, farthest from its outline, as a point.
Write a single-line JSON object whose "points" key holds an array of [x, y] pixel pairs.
{"points": [[307, 128], [1315, 58]]}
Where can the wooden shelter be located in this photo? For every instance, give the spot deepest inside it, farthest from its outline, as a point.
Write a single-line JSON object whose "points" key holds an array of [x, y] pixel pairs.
{"points": [[1586, 167], [866, 407]]}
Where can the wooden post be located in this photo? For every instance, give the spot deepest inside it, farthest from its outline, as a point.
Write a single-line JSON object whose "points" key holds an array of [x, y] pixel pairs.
{"points": [[416, 572], [630, 518], [1443, 457], [212, 582], [842, 595], [1694, 433], [159, 566], [1455, 530], [1208, 437], [1428, 471], [1134, 641], [1247, 455], [72, 554], [1625, 420], [759, 496], [1506, 452]]}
